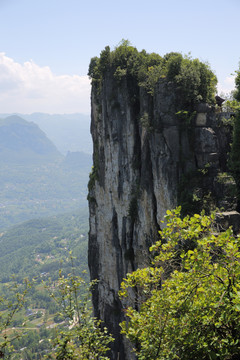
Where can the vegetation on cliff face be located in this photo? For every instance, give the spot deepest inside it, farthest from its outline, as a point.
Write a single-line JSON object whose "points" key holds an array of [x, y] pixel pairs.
{"points": [[193, 79], [234, 156], [188, 300]]}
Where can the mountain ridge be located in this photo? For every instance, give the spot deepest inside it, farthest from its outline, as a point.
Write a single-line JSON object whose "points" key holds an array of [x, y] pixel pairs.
{"points": [[36, 179], [22, 141], [69, 132]]}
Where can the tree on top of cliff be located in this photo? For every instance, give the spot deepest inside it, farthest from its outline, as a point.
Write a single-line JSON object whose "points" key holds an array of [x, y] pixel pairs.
{"points": [[237, 82], [193, 79], [188, 300]]}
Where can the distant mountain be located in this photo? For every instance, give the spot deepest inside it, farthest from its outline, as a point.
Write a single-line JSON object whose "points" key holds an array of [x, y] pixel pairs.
{"points": [[69, 132], [23, 141], [36, 180]]}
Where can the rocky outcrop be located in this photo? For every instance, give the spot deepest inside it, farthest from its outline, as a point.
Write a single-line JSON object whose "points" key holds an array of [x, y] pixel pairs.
{"points": [[148, 157]]}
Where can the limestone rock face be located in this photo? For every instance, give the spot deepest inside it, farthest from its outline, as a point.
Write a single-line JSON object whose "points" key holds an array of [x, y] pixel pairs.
{"points": [[146, 155]]}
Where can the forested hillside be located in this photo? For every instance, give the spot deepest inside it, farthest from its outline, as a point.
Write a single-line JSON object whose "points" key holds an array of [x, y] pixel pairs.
{"points": [[37, 250], [36, 179], [42, 246], [22, 141]]}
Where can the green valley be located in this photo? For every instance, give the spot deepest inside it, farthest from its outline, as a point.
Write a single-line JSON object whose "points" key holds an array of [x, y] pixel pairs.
{"points": [[36, 179], [43, 219], [38, 249]]}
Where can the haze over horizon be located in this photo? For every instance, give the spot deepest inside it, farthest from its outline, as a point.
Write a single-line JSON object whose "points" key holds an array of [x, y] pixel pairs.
{"points": [[47, 46]]}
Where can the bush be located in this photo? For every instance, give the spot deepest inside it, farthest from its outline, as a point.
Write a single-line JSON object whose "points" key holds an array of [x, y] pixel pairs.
{"points": [[84, 337], [188, 301]]}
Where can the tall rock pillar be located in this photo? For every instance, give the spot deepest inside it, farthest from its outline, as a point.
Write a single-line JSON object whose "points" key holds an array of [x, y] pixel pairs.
{"points": [[143, 151]]}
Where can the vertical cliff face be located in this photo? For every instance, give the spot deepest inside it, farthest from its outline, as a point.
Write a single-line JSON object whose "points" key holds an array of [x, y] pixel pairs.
{"points": [[148, 157]]}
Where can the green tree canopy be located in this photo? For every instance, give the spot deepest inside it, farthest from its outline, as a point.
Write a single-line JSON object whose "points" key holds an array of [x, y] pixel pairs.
{"points": [[187, 303], [193, 80], [10, 306], [83, 336], [237, 83]]}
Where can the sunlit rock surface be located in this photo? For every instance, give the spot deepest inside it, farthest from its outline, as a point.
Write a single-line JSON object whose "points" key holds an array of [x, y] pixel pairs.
{"points": [[145, 155]]}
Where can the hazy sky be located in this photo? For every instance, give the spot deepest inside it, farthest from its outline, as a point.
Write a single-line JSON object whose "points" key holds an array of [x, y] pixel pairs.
{"points": [[46, 45]]}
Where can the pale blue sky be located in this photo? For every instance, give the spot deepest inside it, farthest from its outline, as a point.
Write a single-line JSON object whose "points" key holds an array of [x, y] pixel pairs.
{"points": [[64, 34]]}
